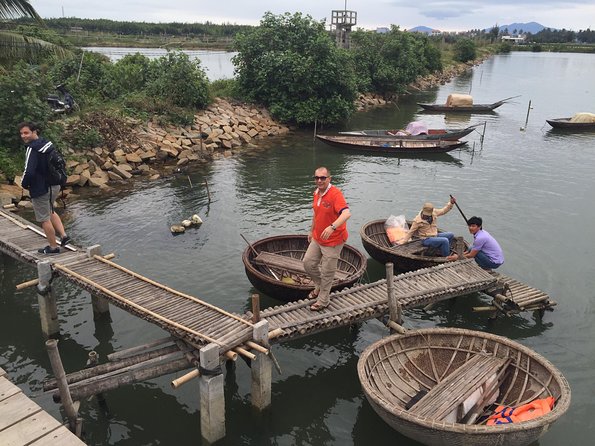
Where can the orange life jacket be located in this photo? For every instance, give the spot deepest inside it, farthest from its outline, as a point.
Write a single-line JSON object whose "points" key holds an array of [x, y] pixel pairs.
{"points": [[534, 409]]}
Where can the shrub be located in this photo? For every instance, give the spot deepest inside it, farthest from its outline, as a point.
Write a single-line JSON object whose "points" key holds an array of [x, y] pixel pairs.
{"points": [[127, 75], [11, 164], [224, 88], [465, 50], [22, 93], [178, 79]]}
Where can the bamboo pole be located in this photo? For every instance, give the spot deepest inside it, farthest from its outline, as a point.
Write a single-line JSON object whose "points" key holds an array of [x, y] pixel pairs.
{"points": [[29, 283], [178, 382], [171, 290], [246, 353], [58, 370], [140, 348], [103, 370], [259, 348], [207, 186], [134, 305], [80, 390], [276, 333]]}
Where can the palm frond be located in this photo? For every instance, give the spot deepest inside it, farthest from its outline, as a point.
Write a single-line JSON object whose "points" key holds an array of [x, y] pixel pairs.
{"points": [[10, 9], [16, 46]]}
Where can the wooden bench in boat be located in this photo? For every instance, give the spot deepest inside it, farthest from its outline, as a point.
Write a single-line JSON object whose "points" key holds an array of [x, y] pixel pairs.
{"points": [[453, 390], [413, 247], [289, 264]]}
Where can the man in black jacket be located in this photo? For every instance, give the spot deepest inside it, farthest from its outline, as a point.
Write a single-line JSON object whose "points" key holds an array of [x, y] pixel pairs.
{"points": [[43, 194]]}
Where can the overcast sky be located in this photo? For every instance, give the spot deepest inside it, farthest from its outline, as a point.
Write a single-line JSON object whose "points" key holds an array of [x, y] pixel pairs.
{"points": [[445, 15]]}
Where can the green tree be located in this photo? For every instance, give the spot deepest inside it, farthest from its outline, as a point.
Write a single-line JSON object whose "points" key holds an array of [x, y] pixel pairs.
{"points": [[465, 50], [386, 63], [290, 64]]}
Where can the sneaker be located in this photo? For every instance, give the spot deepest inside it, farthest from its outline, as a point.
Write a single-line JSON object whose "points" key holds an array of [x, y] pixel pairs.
{"points": [[49, 250], [65, 241]]}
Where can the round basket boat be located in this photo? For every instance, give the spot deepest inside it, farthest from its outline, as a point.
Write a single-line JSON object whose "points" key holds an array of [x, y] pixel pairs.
{"points": [[407, 257], [274, 266], [398, 367]]}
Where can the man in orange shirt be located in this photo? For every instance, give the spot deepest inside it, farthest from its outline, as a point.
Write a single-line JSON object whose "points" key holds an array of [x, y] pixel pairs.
{"points": [[327, 236]]}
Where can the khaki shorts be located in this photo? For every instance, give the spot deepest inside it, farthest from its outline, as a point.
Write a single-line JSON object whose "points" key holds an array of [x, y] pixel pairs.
{"points": [[42, 206]]}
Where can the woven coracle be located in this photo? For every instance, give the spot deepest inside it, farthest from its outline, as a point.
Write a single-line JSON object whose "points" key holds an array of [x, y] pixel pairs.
{"points": [[394, 369]]}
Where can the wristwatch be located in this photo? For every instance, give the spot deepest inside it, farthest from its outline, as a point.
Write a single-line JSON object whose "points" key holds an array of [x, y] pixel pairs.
{"points": [[333, 226]]}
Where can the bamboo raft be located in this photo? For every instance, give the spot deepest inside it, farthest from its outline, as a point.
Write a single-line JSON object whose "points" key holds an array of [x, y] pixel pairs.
{"points": [[23, 422]]}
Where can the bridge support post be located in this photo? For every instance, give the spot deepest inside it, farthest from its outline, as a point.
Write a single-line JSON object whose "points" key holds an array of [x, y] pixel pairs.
{"points": [[460, 247], [262, 368], [212, 398], [100, 304], [396, 316], [48, 310]]}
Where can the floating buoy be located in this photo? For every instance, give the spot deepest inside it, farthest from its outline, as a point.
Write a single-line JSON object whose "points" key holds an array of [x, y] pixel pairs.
{"points": [[196, 219], [177, 229], [186, 223]]}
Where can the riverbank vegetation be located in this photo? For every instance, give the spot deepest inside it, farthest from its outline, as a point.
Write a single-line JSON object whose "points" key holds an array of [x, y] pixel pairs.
{"points": [[289, 64]]}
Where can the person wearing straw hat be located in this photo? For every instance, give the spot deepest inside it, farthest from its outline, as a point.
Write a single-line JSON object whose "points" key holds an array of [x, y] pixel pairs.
{"points": [[425, 226]]}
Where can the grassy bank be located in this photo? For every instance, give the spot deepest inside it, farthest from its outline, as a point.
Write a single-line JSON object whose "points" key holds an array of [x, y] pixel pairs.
{"points": [[87, 39]]}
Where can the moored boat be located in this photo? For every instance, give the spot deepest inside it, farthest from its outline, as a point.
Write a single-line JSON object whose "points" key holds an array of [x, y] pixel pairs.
{"points": [[407, 257], [383, 145], [567, 124], [413, 380], [431, 134], [274, 266], [474, 108]]}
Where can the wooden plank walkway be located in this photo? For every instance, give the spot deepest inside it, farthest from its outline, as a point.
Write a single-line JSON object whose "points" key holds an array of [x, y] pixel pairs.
{"points": [[23, 422], [363, 302], [199, 323]]}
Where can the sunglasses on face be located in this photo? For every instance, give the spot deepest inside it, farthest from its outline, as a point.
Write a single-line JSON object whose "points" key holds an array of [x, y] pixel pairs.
{"points": [[322, 178]]}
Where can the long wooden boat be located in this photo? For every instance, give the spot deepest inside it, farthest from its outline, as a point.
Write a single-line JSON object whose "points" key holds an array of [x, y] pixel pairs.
{"points": [[566, 124], [432, 135], [442, 365], [475, 108], [274, 266], [383, 145], [408, 257]]}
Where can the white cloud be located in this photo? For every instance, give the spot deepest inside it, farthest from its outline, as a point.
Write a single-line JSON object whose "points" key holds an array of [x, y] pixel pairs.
{"points": [[439, 14]]}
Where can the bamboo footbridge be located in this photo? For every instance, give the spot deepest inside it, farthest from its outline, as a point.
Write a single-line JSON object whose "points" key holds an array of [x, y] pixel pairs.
{"points": [[196, 326]]}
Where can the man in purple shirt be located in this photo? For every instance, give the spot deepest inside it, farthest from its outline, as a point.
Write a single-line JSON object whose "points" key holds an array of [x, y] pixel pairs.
{"points": [[486, 250]]}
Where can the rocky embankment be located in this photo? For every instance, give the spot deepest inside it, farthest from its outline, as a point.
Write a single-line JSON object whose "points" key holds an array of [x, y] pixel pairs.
{"points": [[154, 150]]}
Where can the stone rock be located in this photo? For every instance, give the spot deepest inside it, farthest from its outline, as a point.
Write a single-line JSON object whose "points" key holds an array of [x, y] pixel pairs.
{"points": [[72, 180], [121, 172], [114, 176], [133, 158]]}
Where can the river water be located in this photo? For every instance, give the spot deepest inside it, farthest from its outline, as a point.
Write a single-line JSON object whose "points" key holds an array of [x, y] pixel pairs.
{"points": [[534, 189], [217, 64]]}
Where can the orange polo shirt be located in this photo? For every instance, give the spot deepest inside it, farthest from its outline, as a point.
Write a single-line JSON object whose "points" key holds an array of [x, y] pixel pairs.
{"points": [[326, 210]]}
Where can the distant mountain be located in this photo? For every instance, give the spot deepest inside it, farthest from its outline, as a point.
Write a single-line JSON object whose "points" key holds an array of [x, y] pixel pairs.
{"points": [[531, 27], [421, 29]]}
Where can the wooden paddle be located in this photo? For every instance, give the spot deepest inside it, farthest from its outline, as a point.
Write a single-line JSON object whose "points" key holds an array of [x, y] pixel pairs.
{"points": [[256, 253], [457, 205]]}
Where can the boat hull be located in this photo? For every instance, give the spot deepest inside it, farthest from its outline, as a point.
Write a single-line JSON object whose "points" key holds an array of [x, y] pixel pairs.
{"points": [[376, 243], [351, 261], [432, 135], [387, 146], [394, 368], [565, 124]]}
